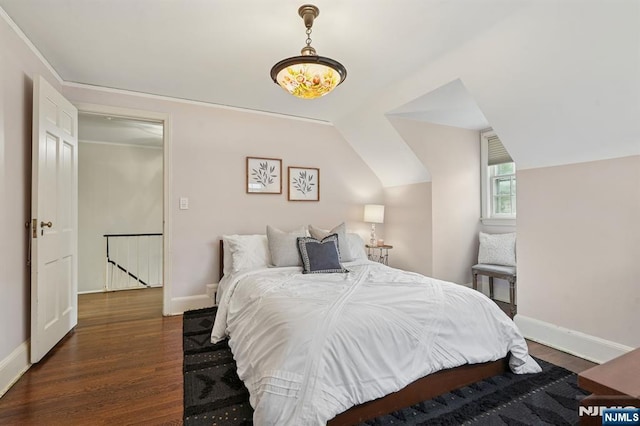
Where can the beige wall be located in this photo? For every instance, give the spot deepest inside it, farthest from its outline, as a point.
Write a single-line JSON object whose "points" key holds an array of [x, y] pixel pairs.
{"points": [[579, 247], [119, 192], [409, 228], [208, 150], [452, 155]]}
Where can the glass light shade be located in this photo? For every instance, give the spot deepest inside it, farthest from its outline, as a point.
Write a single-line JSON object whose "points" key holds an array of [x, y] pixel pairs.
{"points": [[309, 76], [374, 213]]}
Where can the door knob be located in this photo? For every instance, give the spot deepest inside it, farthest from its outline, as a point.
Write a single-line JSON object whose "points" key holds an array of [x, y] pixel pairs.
{"points": [[47, 224]]}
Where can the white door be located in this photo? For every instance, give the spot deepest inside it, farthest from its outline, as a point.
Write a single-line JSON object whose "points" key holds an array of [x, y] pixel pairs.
{"points": [[54, 264]]}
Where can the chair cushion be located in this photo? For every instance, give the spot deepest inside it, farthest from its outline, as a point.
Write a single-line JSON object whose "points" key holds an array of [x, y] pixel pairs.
{"points": [[499, 269]]}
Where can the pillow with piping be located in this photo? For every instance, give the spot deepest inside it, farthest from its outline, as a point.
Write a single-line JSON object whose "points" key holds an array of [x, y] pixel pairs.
{"points": [[320, 256]]}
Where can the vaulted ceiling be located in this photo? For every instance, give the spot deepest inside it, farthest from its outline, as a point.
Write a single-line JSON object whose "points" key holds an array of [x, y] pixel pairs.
{"points": [[558, 80]]}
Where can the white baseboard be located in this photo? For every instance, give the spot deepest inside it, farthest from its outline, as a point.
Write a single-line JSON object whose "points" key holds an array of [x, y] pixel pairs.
{"points": [[181, 304], [14, 366], [91, 291], [573, 342], [104, 290]]}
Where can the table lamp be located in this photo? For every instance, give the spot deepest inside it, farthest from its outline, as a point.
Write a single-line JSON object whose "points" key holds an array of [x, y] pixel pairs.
{"points": [[373, 213]]}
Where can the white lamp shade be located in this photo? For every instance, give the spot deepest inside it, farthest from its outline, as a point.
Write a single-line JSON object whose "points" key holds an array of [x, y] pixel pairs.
{"points": [[374, 213]]}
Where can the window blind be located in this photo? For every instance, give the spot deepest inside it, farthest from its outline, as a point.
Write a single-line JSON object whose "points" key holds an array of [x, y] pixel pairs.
{"points": [[497, 153]]}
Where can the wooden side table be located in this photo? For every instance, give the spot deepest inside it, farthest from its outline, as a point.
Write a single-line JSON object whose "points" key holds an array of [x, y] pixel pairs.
{"points": [[614, 383], [383, 253]]}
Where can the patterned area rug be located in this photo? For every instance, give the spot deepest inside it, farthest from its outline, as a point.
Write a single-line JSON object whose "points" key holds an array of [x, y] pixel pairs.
{"points": [[214, 395]]}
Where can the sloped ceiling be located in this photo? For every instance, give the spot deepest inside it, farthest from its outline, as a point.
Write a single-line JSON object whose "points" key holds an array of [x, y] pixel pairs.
{"points": [[449, 105], [558, 80]]}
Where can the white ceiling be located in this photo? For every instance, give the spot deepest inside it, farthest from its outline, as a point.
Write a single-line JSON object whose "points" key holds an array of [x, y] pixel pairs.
{"points": [[449, 105], [559, 80], [221, 52]]}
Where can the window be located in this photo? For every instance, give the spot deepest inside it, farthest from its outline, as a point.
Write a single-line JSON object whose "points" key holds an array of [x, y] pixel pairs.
{"points": [[503, 189], [498, 181]]}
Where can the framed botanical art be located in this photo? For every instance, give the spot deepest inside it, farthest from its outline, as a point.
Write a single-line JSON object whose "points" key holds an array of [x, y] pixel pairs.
{"points": [[264, 175], [304, 184]]}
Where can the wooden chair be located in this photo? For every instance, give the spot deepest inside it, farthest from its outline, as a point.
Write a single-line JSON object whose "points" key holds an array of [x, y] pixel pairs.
{"points": [[497, 271]]}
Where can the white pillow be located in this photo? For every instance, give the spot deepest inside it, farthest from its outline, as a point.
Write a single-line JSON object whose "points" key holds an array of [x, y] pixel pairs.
{"points": [[343, 246], [497, 249], [283, 246], [227, 266], [356, 247], [246, 252]]}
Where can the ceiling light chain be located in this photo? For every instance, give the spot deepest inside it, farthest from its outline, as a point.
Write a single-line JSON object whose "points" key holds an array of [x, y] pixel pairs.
{"points": [[308, 41], [308, 76]]}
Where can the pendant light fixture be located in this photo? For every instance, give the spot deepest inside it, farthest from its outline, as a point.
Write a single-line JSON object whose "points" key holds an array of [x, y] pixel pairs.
{"points": [[308, 76]]}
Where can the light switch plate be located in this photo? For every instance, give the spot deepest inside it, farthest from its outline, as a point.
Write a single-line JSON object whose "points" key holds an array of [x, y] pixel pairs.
{"points": [[184, 203]]}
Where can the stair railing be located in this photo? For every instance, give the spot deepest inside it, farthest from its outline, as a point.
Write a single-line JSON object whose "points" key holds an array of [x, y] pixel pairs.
{"points": [[133, 261]]}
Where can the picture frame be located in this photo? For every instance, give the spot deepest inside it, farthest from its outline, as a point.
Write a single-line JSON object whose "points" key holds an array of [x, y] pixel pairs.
{"points": [[264, 175], [304, 183]]}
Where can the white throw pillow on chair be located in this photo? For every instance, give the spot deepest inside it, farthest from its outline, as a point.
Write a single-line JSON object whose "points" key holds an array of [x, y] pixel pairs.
{"points": [[497, 249]]}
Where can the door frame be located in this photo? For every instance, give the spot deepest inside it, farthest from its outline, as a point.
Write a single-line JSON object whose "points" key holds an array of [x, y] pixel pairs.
{"points": [[165, 118]]}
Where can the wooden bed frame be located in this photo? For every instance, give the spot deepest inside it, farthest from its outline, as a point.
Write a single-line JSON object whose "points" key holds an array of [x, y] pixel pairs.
{"points": [[422, 389]]}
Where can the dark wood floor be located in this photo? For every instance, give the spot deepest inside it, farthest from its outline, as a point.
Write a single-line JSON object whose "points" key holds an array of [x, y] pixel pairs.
{"points": [[123, 365]]}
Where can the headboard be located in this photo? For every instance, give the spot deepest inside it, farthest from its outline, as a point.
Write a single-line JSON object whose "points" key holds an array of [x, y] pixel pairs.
{"points": [[221, 260]]}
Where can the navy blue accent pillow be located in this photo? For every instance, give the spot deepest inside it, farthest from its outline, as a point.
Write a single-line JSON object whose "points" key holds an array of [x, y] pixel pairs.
{"points": [[320, 256]]}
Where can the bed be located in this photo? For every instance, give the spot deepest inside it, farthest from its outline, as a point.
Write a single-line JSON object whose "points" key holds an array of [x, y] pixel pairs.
{"points": [[345, 347]]}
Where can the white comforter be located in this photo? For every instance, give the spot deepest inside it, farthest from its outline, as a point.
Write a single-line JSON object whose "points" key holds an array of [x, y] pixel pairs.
{"points": [[310, 346]]}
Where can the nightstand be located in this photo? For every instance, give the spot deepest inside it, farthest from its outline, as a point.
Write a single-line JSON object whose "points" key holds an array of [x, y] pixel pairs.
{"points": [[212, 290], [381, 256]]}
